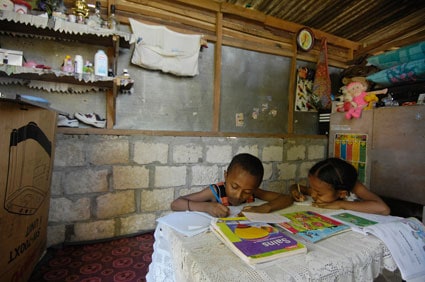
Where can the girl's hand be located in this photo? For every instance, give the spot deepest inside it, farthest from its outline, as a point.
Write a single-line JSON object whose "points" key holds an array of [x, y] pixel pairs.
{"points": [[299, 197], [217, 209]]}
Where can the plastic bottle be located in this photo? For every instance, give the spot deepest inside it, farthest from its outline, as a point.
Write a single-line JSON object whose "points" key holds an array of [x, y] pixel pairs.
{"points": [[100, 63], [113, 22], [78, 64], [96, 20]]}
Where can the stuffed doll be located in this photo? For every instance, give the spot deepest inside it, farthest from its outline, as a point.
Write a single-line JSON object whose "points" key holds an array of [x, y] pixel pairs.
{"points": [[355, 97], [345, 99], [357, 91]]}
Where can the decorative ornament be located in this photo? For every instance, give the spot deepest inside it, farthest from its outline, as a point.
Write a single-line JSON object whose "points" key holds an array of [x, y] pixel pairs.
{"points": [[81, 9]]}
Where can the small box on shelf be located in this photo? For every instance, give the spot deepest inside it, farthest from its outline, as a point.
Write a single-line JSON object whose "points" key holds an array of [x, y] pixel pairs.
{"points": [[11, 57]]}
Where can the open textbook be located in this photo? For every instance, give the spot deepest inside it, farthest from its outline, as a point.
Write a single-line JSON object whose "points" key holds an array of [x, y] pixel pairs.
{"points": [[312, 226], [255, 242], [404, 238]]}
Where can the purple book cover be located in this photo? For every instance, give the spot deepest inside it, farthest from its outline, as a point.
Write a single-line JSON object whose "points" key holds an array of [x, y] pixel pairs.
{"points": [[256, 238]]}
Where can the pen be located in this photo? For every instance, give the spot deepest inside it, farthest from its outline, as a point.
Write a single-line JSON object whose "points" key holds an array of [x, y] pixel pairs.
{"points": [[215, 194]]}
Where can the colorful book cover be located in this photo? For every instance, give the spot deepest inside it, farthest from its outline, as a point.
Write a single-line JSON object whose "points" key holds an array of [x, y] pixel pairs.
{"points": [[354, 219], [255, 242], [312, 225]]}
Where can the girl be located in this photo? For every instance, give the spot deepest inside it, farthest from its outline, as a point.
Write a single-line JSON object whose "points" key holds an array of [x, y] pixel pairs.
{"points": [[334, 185]]}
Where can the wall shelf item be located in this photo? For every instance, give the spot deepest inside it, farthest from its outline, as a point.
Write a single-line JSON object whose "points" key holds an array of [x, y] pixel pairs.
{"points": [[24, 25]]}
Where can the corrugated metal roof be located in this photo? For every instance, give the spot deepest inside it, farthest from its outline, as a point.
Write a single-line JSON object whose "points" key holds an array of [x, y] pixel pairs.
{"points": [[378, 25]]}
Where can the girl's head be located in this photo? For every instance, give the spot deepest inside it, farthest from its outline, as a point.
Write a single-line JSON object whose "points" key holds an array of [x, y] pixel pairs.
{"points": [[331, 179], [242, 177]]}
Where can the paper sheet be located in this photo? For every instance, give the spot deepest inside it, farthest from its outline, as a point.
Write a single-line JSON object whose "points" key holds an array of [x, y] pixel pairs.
{"points": [[265, 217], [187, 223]]}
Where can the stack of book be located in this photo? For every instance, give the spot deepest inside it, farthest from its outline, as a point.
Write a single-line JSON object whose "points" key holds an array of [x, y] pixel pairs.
{"points": [[255, 242]]}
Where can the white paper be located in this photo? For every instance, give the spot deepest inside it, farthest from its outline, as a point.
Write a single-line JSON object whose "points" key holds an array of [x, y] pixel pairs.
{"points": [[265, 217], [406, 241], [308, 201], [187, 223]]}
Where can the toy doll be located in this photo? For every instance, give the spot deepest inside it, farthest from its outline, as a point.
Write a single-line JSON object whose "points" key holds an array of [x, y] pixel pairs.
{"points": [[357, 91]]}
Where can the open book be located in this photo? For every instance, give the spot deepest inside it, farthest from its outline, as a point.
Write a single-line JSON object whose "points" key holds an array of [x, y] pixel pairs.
{"points": [[312, 226], [187, 223], [255, 242], [404, 237]]}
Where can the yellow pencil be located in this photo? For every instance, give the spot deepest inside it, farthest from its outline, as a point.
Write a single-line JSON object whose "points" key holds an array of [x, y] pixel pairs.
{"points": [[299, 191]]}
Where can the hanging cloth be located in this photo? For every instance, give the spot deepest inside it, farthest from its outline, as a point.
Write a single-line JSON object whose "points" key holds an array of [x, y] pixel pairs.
{"points": [[159, 48], [322, 80]]}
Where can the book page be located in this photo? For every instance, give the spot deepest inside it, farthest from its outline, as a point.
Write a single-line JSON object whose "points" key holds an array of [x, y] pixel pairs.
{"points": [[359, 220], [265, 217], [187, 223], [406, 241]]}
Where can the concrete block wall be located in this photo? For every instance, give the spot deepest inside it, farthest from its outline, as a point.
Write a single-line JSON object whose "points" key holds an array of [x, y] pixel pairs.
{"points": [[107, 186]]}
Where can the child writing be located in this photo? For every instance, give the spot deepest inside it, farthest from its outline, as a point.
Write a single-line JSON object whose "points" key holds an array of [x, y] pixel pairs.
{"points": [[241, 184], [333, 183]]}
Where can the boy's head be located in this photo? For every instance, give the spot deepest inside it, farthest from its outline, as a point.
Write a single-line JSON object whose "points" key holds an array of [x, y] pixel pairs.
{"points": [[242, 177], [332, 179]]}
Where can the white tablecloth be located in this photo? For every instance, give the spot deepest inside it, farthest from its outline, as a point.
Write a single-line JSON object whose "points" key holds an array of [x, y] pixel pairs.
{"points": [[349, 256]]}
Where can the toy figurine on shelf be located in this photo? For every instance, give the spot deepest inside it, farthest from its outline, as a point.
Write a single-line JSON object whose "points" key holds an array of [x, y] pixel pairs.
{"points": [[80, 10], [68, 65], [372, 99]]}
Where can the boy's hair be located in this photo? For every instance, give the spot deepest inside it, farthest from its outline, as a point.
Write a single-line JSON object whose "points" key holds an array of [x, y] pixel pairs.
{"points": [[249, 163], [337, 172]]}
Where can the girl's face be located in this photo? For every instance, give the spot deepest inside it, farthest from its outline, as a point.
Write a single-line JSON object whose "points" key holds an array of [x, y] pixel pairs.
{"points": [[323, 192], [240, 185]]}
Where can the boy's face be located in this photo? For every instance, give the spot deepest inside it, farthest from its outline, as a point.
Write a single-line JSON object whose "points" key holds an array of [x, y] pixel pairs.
{"points": [[323, 192], [240, 185]]}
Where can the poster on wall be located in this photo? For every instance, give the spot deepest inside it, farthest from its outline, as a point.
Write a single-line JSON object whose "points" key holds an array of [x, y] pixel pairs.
{"points": [[305, 100], [353, 149]]}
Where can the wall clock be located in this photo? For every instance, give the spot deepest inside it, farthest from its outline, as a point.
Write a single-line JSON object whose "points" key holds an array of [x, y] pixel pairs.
{"points": [[305, 39]]}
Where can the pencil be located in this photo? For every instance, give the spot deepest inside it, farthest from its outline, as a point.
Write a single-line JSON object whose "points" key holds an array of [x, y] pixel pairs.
{"points": [[299, 190], [215, 194]]}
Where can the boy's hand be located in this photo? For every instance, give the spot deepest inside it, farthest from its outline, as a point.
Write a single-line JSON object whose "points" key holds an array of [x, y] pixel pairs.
{"points": [[218, 210], [264, 208]]}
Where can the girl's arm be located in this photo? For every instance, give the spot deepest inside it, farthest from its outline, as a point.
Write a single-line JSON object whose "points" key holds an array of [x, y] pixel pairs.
{"points": [[369, 202], [202, 201], [275, 201]]}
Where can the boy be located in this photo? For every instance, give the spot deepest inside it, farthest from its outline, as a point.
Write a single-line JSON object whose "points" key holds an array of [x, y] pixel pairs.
{"points": [[241, 184]]}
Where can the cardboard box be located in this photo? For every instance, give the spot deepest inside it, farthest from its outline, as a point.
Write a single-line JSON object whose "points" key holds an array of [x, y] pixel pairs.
{"points": [[11, 57], [27, 135]]}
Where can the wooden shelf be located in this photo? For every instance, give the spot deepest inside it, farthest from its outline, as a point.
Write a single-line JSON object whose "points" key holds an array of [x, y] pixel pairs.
{"points": [[56, 76], [22, 24], [15, 24]]}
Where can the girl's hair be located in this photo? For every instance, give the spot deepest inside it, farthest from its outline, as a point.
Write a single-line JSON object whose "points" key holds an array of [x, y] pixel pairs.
{"points": [[337, 172], [249, 163]]}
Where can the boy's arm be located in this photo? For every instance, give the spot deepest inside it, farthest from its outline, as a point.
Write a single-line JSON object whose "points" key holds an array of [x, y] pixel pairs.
{"points": [[202, 201], [275, 201]]}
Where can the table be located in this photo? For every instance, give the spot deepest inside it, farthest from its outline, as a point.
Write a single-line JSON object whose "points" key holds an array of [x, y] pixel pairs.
{"points": [[349, 256]]}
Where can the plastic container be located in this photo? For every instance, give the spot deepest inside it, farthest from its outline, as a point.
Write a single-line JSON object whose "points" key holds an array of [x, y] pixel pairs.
{"points": [[100, 63], [78, 64]]}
